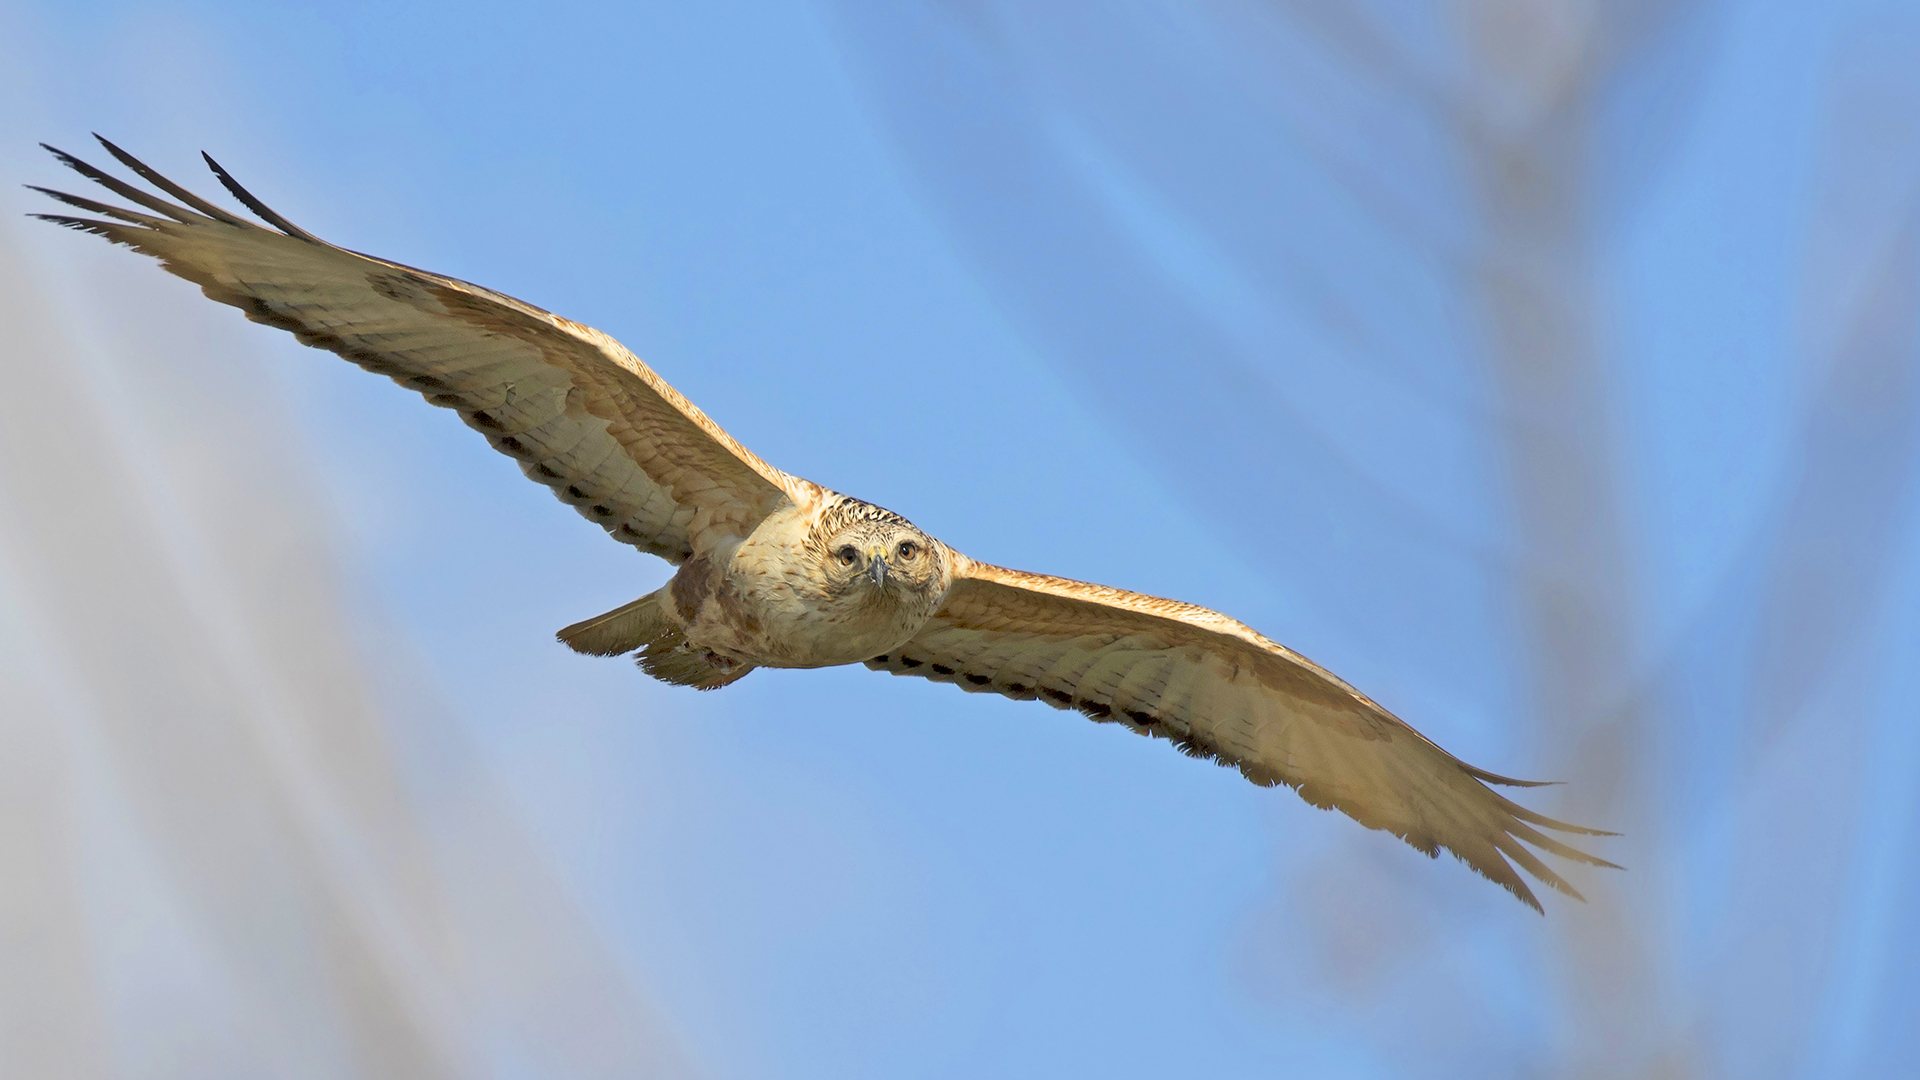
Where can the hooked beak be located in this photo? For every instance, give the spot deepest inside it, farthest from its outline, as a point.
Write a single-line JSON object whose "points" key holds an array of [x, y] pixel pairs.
{"points": [[877, 567]]}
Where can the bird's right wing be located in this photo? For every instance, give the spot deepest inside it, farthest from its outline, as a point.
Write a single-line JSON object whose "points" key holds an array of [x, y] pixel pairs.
{"points": [[1219, 690], [580, 413]]}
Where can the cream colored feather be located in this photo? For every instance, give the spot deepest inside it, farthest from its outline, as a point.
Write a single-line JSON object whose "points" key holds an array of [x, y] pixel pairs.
{"points": [[758, 585], [580, 413], [1221, 691]]}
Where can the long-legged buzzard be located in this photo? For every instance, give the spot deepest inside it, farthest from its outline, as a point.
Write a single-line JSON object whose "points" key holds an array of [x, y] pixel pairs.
{"points": [[776, 571]]}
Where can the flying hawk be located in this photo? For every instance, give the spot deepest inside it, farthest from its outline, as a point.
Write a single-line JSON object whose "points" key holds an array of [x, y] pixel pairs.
{"points": [[776, 571]]}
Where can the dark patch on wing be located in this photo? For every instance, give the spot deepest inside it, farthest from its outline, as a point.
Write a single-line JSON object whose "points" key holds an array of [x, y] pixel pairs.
{"points": [[669, 442], [1032, 631], [691, 586]]}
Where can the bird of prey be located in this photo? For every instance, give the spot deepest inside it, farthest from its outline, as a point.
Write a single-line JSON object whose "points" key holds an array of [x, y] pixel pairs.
{"points": [[777, 571]]}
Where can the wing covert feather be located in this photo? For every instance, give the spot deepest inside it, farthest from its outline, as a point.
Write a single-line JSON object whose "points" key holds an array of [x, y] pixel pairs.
{"points": [[585, 417], [572, 406], [1218, 690]]}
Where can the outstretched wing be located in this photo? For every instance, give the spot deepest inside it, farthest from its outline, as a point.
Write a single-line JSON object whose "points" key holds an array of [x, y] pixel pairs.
{"points": [[579, 412], [1219, 690]]}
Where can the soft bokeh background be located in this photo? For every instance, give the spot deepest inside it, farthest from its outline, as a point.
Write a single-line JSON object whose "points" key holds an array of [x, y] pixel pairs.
{"points": [[1546, 367]]}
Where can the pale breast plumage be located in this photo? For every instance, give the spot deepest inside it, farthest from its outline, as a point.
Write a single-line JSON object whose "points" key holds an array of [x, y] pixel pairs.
{"points": [[583, 416]]}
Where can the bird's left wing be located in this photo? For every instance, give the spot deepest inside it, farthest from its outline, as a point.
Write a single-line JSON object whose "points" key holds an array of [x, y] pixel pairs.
{"points": [[1219, 690], [580, 413]]}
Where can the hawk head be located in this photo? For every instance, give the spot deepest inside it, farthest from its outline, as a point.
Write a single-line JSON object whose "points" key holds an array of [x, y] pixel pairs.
{"points": [[873, 553]]}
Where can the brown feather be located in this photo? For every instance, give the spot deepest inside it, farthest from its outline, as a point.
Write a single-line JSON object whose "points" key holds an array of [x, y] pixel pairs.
{"points": [[1218, 690], [585, 417], [578, 411]]}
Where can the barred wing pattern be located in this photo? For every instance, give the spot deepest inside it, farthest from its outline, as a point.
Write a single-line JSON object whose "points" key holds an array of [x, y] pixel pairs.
{"points": [[1218, 690], [580, 413], [585, 417]]}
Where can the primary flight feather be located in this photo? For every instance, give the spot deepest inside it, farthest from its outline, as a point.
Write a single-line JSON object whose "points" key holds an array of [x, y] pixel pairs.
{"points": [[776, 571]]}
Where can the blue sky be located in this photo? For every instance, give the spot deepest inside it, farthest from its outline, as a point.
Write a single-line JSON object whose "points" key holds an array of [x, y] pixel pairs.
{"points": [[1181, 298]]}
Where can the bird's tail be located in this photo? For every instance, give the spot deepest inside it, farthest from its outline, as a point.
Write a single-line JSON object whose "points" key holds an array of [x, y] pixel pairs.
{"points": [[622, 630], [648, 625]]}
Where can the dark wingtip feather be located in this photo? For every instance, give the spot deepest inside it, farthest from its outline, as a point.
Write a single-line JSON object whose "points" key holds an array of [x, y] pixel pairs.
{"points": [[265, 212], [68, 222], [108, 229], [1543, 820], [1484, 776], [1488, 863], [153, 177], [1547, 843], [1531, 864], [90, 205], [121, 187]]}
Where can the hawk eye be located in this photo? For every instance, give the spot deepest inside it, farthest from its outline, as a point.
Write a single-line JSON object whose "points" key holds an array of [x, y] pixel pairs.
{"points": [[908, 549], [847, 555]]}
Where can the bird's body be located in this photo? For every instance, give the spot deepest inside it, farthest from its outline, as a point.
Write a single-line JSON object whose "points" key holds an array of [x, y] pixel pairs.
{"points": [[834, 581], [777, 571]]}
